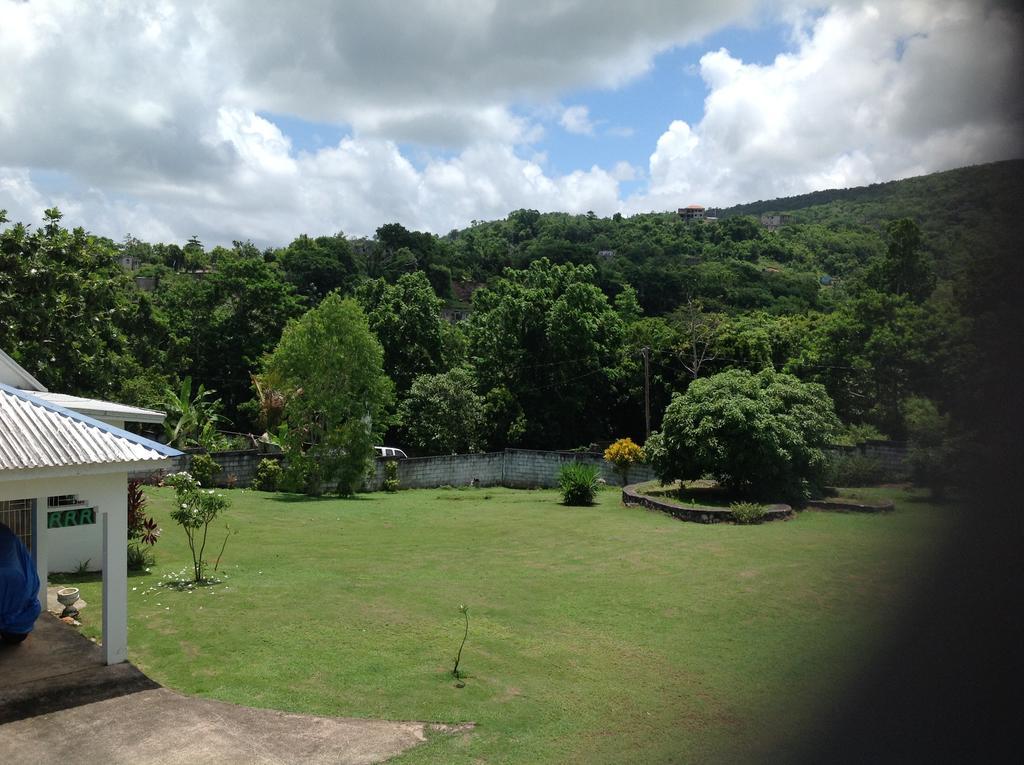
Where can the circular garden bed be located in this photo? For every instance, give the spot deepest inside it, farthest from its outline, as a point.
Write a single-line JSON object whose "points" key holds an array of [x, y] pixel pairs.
{"points": [[698, 502]]}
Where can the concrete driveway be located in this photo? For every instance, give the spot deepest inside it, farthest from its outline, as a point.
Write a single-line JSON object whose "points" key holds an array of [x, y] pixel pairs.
{"points": [[59, 703]]}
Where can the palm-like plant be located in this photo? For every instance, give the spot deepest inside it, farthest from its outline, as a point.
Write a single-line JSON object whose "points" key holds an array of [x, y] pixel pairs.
{"points": [[190, 417]]}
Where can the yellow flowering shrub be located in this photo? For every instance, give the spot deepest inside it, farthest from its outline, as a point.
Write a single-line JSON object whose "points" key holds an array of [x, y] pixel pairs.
{"points": [[622, 455]]}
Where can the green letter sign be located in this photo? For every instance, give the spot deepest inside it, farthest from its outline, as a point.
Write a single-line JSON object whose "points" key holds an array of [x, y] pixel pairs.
{"points": [[79, 516]]}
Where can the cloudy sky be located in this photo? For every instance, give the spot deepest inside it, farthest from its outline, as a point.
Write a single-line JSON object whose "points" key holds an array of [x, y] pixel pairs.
{"points": [[235, 119]]}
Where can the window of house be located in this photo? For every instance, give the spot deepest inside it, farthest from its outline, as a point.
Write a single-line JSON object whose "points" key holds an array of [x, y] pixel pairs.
{"points": [[16, 514]]}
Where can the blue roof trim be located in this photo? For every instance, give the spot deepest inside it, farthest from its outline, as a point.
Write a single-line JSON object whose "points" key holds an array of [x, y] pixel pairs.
{"points": [[135, 438]]}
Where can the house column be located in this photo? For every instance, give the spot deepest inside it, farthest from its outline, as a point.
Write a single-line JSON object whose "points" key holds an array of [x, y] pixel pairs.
{"points": [[40, 547], [115, 586]]}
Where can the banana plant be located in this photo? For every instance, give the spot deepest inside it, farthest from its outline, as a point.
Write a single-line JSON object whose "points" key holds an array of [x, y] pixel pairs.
{"points": [[190, 416]]}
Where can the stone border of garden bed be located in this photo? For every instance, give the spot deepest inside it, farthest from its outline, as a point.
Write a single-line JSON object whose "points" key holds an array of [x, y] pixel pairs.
{"points": [[849, 506], [699, 514]]}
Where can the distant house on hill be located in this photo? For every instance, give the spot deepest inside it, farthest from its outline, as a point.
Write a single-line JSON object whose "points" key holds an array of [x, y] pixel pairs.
{"points": [[460, 307], [774, 220], [692, 212]]}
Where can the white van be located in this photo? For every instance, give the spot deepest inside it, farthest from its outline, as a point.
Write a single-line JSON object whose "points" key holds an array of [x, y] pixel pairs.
{"points": [[389, 452]]}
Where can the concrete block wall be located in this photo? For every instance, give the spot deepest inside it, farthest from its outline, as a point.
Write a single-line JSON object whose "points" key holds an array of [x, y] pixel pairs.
{"points": [[893, 455], [449, 470], [241, 464], [530, 468], [515, 468]]}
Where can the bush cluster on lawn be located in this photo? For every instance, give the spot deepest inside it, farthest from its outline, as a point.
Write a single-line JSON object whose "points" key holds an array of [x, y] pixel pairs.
{"points": [[578, 483], [391, 475], [267, 476], [204, 469], [747, 512]]}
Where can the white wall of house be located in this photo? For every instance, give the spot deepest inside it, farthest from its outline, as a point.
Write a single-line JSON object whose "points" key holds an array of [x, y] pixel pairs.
{"points": [[60, 548], [67, 547]]}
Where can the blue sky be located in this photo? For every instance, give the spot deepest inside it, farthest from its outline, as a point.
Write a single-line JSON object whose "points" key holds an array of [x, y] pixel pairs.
{"points": [[628, 120], [671, 90], [249, 119]]}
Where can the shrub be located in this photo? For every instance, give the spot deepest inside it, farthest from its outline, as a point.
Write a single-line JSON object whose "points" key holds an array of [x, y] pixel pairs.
{"points": [[391, 475], [578, 483], [933, 454], [622, 455], [759, 435], [854, 470], [267, 476], [204, 469], [747, 512], [142, 529], [139, 557], [851, 435]]}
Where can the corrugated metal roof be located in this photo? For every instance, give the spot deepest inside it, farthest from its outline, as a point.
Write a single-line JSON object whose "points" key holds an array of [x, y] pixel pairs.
{"points": [[38, 434], [94, 407]]}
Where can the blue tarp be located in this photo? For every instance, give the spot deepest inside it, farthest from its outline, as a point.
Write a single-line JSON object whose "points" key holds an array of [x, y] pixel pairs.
{"points": [[19, 585]]}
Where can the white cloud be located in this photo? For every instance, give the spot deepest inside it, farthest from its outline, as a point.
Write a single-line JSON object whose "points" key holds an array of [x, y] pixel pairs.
{"points": [[871, 93], [149, 108], [623, 171], [147, 113], [576, 119]]}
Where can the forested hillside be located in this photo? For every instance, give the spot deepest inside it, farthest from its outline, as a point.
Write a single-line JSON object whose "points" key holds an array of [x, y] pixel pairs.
{"points": [[886, 294]]}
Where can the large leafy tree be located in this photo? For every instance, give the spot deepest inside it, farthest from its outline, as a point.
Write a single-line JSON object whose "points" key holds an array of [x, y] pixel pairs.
{"points": [[443, 414], [328, 366], [760, 434], [221, 325], [66, 307], [316, 266], [405, 316], [905, 269], [877, 349], [546, 347]]}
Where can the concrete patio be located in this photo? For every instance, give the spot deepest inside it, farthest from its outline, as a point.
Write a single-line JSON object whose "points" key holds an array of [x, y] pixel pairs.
{"points": [[56, 668], [59, 702]]}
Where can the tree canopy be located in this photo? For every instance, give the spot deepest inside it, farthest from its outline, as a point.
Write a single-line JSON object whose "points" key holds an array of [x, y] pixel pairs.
{"points": [[328, 366], [880, 294], [759, 434]]}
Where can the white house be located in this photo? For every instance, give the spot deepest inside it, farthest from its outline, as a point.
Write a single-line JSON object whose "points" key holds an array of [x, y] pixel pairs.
{"points": [[63, 488], [74, 546]]}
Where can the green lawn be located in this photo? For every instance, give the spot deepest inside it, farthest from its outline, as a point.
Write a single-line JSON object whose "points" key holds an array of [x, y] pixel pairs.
{"points": [[602, 634]]}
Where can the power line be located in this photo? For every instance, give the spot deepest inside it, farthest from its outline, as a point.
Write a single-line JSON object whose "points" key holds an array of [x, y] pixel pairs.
{"points": [[746, 362]]}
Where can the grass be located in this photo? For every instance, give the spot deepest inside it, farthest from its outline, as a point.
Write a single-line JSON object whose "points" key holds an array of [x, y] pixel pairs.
{"points": [[597, 635], [687, 493]]}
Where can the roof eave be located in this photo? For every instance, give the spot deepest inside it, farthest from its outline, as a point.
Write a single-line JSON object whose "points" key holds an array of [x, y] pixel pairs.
{"points": [[74, 471]]}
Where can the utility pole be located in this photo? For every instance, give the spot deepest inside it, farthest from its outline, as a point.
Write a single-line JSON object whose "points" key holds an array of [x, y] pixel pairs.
{"points": [[647, 392]]}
